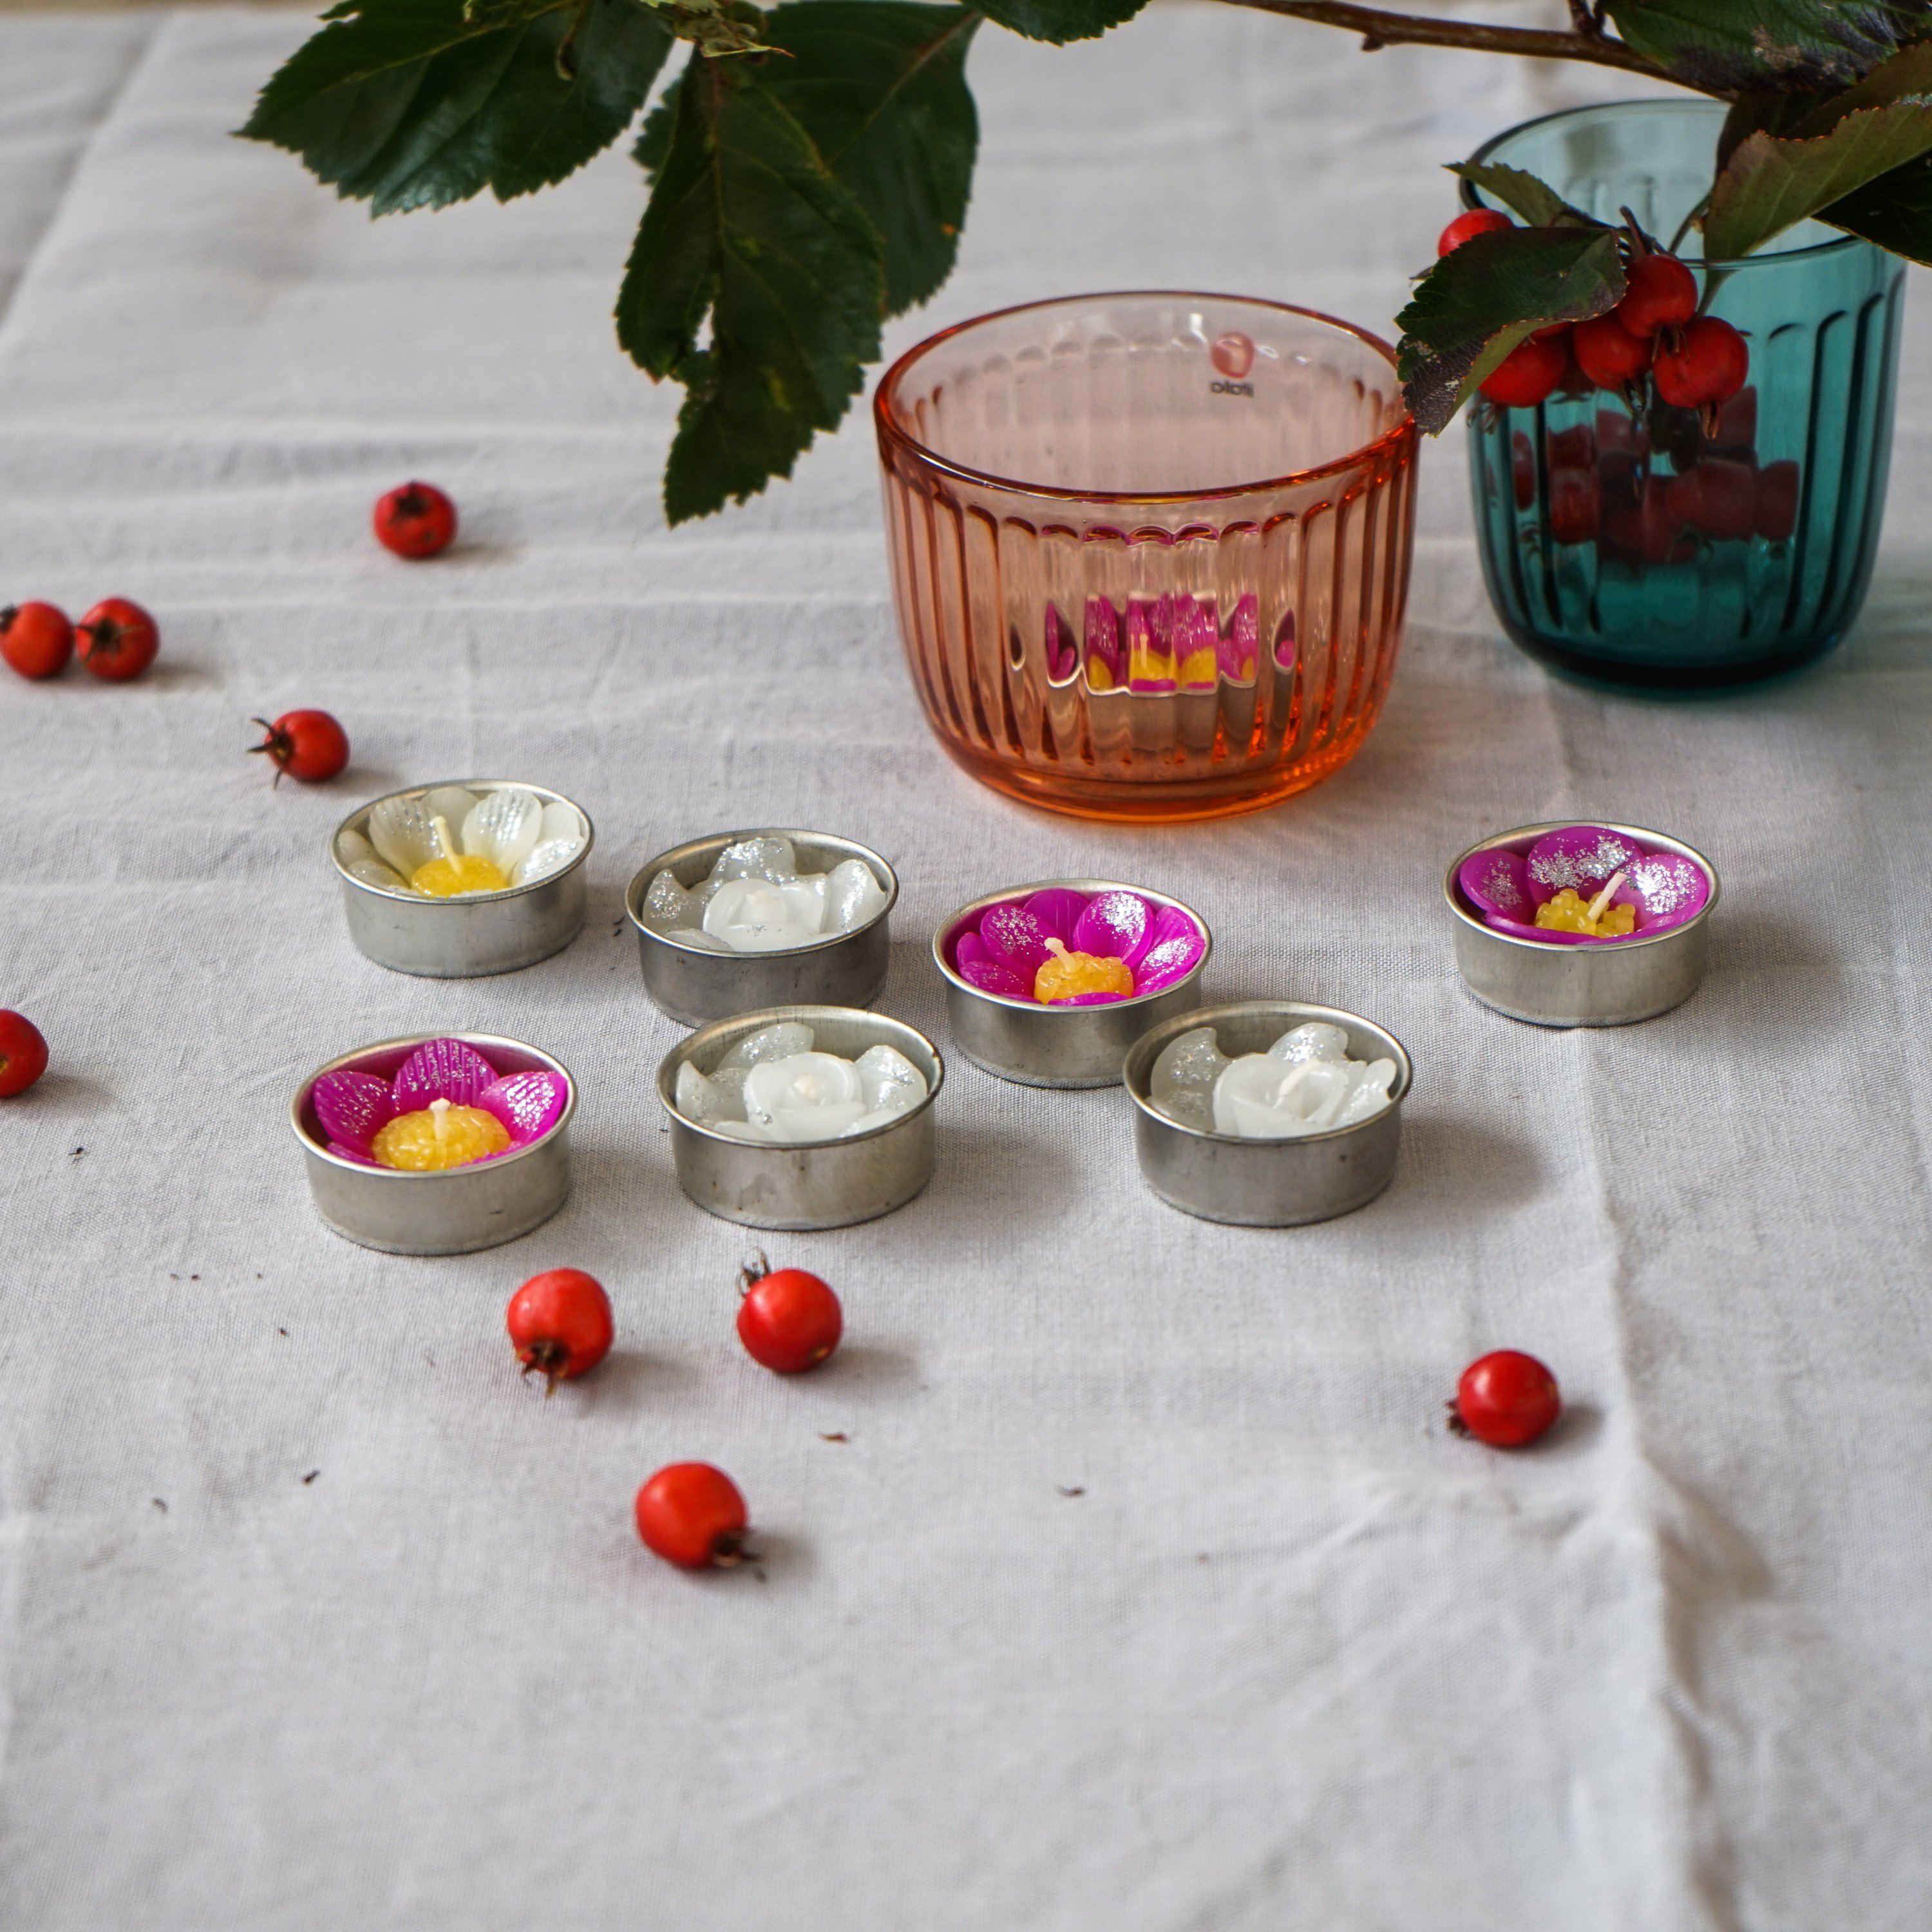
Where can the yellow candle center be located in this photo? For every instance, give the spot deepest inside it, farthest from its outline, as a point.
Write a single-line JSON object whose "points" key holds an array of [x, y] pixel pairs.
{"points": [[440, 1135], [1067, 975], [452, 873], [1568, 913]]}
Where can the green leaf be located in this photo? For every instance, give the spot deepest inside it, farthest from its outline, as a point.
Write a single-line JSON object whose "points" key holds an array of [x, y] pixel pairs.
{"points": [[1894, 212], [879, 86], [1736, 46], [1771, 181], [1060, 21], [653, 142], [1538, 203], [1478, 302], [409, 103], [749, 229]]}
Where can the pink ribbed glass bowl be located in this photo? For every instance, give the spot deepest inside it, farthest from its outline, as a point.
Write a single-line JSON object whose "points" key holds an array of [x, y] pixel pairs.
{"points": [[1098, 620]]}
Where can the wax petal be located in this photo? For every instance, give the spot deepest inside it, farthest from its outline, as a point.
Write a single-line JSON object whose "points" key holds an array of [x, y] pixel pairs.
{"points": [[450, 801], [504, 827], [1517, 929], [970, 950], [989, 976], [1014, 938], [1090, 999], [1177, 947], [1058, 910], [1667, 890], [442, 1069], [853, 897], [546, 856], [1497, 881], [1581, 857], [1117, 926], [360, 1156], [528, 1104], [401, 831], [352, 1107]]}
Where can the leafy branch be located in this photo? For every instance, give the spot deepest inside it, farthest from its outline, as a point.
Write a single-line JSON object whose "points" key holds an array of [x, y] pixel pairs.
{"points": [[809, 169]]}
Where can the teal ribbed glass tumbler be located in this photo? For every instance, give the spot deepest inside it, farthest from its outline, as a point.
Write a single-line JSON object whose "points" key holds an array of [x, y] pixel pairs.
{"points": [[1636, 550]]}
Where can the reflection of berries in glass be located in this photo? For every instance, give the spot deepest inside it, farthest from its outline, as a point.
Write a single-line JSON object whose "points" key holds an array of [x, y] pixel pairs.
{"points": [[1233, 354]]}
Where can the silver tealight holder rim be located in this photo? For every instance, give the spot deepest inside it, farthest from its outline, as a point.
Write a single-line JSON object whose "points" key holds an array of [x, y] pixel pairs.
{"points": [[358, 822], [953, 920], [407, 1043], [1137, 1070], [715, 843], [1637, 834], [737, 1025]]}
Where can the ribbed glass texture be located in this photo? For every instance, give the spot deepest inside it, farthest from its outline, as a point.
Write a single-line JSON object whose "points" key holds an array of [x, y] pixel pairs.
{"points": [[1099, 616], [1640, 552]]}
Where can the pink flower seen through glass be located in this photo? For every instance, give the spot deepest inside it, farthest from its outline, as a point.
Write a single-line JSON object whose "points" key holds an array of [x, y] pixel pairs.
{"points": [[1002, 952]]}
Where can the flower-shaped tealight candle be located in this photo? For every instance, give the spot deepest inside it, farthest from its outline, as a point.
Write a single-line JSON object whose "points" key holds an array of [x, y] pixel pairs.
{"points": [[446, 1107], [1581, 925], [1050, 984], [438, 1145], [743, 920], [457, 880], [451, 842]]}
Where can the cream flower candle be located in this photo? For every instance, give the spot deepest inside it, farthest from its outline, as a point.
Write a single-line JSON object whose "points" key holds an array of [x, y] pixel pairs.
{"points": [[774, 1085], [1305, 1084], [454, 843], [755, 900]]}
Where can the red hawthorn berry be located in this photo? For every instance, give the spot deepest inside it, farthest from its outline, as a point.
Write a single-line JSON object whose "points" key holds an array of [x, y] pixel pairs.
{"points": [[309, 745], [36, 640], [1530, 371], [1608, 353], [1707, 363], [117, 640], [559, 1324], [1659, 292], [1467, 227], [23, 1054], [1506, 1399], [788, 1321], [416, 521], [692, 1515]]}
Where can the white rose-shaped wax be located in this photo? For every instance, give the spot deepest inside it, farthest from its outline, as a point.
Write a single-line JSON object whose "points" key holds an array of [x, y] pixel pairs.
{"points": [[807, 1097], [1304, 1084], [762, 916]]}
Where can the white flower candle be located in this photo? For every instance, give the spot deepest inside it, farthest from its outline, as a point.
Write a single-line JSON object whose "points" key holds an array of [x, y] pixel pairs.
{"points": [[1304, 1084], [452, 843], [755, 900], [773, 1085]]}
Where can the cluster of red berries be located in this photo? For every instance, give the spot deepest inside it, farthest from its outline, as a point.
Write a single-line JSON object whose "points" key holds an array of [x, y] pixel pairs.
{"points": [[1695, 361], [689, 1514], [115, 640]]}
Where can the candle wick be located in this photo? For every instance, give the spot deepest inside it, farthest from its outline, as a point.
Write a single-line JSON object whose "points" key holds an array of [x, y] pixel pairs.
{"points": [[440, 826], [1057, 947], [438, 1114], [1603, 899]]}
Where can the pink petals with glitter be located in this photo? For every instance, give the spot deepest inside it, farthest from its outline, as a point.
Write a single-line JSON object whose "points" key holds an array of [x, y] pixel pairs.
{"points": [[1503, 888], [1002, 954], [352, 1107]]}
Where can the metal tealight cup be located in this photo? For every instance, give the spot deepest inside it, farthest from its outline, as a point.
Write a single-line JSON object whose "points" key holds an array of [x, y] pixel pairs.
{"points": [[476, 933], [1040, 1045], [455, 1211], [843, 969], [1266, 1183], [1615, 984], [813, 1185]]}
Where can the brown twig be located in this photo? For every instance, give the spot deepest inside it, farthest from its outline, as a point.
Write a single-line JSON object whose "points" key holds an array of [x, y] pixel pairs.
{"points": [[1380, 28]]}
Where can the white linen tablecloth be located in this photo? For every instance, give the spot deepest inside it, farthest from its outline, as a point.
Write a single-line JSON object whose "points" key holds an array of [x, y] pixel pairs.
{"points": [[312, 1616]]}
